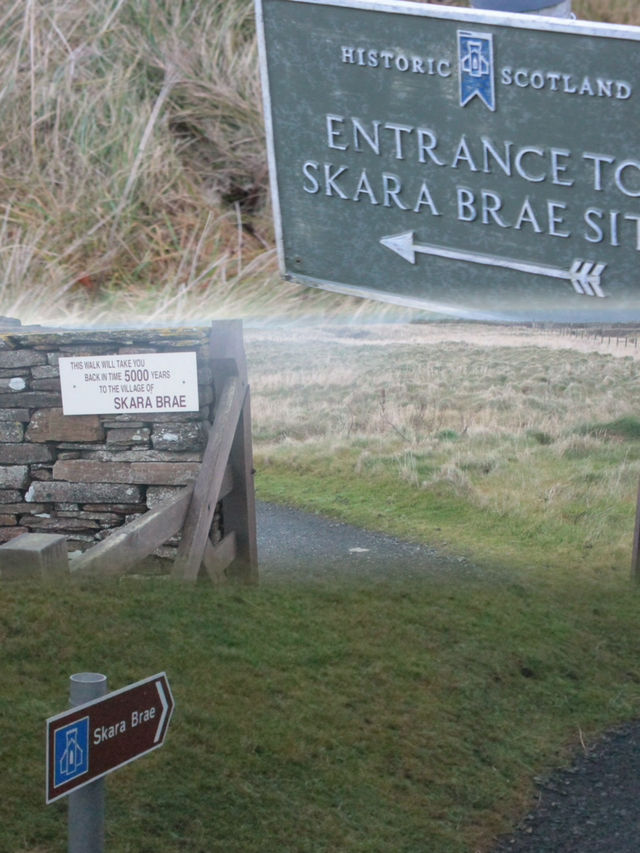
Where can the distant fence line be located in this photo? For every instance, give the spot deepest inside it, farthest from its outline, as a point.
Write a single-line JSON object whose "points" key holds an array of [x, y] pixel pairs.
{"points": [[615, 334], [619, 336]]}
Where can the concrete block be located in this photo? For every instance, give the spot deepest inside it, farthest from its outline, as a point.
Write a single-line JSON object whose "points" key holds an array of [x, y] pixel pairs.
{"points": [[30, 399], [11, 431], [144, 473], [128, 437], [157, 495], [14, 476], [187, 436], [39, 555]]}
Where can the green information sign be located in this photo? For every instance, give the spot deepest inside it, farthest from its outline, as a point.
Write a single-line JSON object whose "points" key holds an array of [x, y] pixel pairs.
{"points": [[482, 164]]}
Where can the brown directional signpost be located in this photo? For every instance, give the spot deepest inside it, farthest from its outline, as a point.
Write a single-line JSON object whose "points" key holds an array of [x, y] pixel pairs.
{"points": [[479, 163], [92, 739]]}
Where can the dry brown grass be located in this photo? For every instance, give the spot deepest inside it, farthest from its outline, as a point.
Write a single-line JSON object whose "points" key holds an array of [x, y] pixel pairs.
{"points": [[608, 11], [407, 383], [132, 163]]}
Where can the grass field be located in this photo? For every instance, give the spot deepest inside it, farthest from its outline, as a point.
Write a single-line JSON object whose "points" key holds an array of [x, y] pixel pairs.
{"points": [[343, 717], [498, 440], [400, 714]]}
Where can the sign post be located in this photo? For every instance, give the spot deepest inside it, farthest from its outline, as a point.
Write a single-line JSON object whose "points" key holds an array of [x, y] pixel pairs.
{"points": [[85, 819], [474, 162], [105, 733]]}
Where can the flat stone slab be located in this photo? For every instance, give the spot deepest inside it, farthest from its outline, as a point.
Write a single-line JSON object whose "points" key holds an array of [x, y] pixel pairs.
{"points": [[142, 473], [39, 555], [50, 491], [53, 425]]}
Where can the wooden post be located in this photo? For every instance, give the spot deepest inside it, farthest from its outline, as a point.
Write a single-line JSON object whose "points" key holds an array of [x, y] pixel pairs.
{"points": [[208, 485], [238, 507], [635, 558]]}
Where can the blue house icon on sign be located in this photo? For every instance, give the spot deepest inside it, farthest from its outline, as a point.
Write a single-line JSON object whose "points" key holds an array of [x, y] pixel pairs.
{"points": [[475, 59], [71, 751]]}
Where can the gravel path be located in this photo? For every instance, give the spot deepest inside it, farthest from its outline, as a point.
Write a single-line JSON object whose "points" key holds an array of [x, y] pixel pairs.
{"points": [[290, 540], [591, 807]]}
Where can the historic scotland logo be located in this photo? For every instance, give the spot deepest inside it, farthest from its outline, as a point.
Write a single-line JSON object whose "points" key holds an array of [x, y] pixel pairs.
{"points": [[475, 59]]}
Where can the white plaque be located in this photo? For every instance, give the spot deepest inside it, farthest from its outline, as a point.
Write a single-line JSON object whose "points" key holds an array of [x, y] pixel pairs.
{"points": [[129, 383]]}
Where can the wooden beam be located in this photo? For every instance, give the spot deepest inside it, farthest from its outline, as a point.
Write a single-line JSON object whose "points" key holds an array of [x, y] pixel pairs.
{"points": [[128, 545], [239, 507], [206, 490], [217, 557]]}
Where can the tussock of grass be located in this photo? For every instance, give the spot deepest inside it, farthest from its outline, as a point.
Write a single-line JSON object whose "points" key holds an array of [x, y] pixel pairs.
{"points": [[626, 427], [133, 166]]}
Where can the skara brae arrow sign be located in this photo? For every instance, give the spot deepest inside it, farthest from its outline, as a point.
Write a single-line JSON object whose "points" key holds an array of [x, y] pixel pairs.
{"points": [[89, 741], [477, 163]]}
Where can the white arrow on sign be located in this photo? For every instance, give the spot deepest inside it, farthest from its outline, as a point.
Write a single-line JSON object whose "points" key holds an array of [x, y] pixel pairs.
{"points": [[165, 710], [583, 275]]}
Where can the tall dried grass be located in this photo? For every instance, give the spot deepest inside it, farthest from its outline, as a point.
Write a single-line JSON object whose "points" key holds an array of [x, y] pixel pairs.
{"points": [[132, 162], [608, 11]]}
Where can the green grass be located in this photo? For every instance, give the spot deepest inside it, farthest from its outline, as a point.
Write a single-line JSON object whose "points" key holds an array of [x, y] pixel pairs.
{"points": [[355, 717], [482, 451], [520, 455], [587, 536], [626, 427]]}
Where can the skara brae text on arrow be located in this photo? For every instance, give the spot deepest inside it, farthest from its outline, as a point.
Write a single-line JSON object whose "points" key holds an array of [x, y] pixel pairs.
{"points": [[103, 733]]}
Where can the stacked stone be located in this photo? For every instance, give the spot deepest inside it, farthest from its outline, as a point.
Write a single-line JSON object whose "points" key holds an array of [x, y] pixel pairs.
{"points": [[84, 475]]}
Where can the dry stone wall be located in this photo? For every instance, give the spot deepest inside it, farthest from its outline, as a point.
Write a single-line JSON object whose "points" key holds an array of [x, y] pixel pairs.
{"points": [[84, 475]]}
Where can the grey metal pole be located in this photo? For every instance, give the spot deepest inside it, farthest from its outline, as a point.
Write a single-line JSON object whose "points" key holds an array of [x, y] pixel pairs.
{"points": [[86, 805], [554, 8]]}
